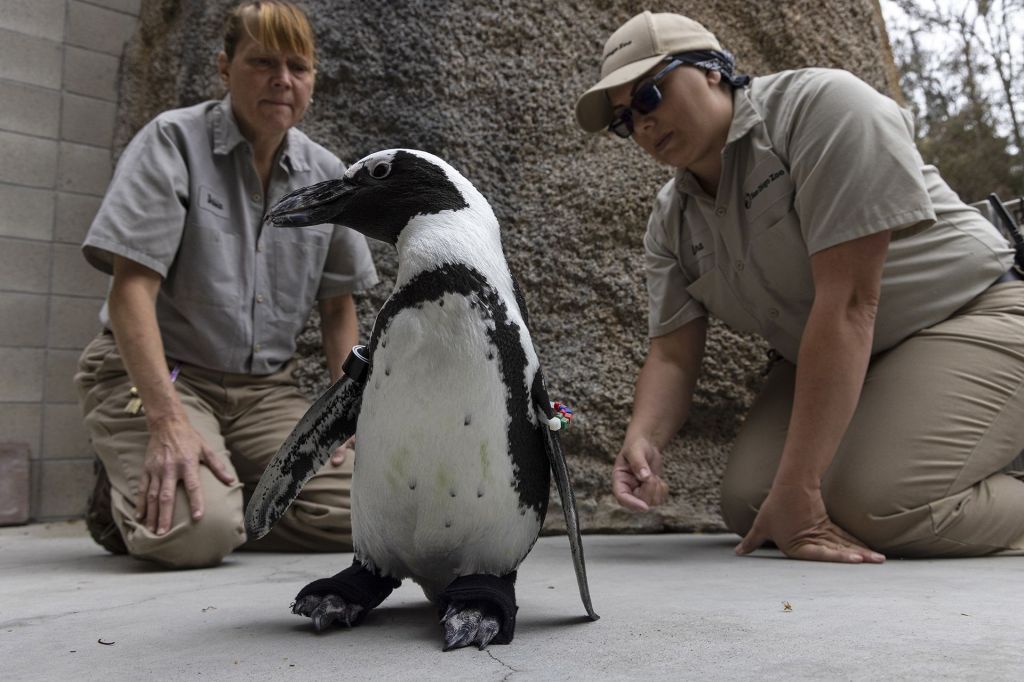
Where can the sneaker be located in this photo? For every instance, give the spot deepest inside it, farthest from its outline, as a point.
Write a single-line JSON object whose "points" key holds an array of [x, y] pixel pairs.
{"points": [[98, 518]]}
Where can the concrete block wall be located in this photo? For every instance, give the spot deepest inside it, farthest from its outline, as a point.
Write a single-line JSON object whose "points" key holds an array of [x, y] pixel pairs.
{"points": [[59, 64]]}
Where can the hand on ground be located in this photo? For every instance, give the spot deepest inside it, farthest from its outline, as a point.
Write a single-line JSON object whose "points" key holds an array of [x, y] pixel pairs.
{"points": [[795, 519]]}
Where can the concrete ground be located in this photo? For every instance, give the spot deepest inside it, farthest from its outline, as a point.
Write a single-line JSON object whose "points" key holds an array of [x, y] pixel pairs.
{"points": [[672, 606]]}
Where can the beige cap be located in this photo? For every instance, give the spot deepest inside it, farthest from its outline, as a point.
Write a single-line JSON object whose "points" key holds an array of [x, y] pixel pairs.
{"points": [[631, 51]]}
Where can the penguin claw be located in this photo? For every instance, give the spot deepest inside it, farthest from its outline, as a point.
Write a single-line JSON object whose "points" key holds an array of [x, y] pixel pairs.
{"points": [[465, 625], [487, 631], [305, 606], [326, 610]]}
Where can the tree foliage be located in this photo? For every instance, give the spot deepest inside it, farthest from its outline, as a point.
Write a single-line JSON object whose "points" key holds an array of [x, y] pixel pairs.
{"points": [[961, 64]]}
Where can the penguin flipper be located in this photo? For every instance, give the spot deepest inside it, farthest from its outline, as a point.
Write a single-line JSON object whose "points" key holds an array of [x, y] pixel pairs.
{"points": [[560, 471], [326, 425]]}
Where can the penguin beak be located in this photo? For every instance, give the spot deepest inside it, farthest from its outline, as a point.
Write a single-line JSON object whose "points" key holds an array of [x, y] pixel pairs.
{"points": [[312, 205]]}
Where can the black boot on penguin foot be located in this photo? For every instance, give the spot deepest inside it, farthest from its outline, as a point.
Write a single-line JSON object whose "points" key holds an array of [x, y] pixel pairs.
{"points": [[479, 609], [344, 598]]}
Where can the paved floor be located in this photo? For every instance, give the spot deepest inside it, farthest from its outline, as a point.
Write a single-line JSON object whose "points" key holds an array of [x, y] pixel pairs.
{"points": [[672, 606]]}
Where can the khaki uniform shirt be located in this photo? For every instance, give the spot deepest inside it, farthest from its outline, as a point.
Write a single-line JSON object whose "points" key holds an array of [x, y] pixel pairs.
{"points": [[186, 202], [814, 158]]}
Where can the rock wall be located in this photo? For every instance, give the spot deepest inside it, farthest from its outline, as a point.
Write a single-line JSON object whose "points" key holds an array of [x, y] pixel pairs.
{"points": [[490, 86]]}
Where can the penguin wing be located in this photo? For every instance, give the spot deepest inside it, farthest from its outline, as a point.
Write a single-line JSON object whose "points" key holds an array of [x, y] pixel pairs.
{"points": [[556, 458], [326, 425]]}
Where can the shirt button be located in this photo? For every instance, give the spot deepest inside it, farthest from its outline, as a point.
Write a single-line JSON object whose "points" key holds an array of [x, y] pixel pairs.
{"points": [[256, 197], [720, 211], [259, 298], [739, 265], [256, 348], [259, 247]]}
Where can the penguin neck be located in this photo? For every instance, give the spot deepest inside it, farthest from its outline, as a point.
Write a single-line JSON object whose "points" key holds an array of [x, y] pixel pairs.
{"points": [[469, 235]]}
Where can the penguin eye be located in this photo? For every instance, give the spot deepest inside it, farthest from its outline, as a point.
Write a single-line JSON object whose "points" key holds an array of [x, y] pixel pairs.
{"points": [[381, 170]]}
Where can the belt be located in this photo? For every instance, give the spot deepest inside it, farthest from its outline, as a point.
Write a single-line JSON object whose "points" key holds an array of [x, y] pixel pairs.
{"points": [[1011, 275]]}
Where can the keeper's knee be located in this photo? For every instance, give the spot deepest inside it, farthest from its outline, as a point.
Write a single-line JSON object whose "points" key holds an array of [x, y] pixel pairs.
{"points": [[191, 544]]}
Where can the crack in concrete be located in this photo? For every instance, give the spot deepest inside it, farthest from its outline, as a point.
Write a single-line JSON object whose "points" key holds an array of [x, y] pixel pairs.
{"points": [[39, 619], [513, 670]]}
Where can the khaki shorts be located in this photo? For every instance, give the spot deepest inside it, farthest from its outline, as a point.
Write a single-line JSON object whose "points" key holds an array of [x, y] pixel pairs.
{"points": [[921, 470], [243, 419]]}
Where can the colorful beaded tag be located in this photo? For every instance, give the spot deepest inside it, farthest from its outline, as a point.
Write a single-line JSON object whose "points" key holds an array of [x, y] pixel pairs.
{"points": [[562, 419]]}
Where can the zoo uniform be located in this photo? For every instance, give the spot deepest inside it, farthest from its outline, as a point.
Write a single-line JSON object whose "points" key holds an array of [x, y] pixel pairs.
{"points": [[815, 158], [187, 203]]}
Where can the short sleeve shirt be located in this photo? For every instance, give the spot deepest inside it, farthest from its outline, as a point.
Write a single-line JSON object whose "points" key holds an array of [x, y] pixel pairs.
{"points": [[186, 201], [814, 158]]}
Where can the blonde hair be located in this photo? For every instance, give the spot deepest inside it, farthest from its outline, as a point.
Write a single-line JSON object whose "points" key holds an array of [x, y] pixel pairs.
{"points": [[276, 25]]}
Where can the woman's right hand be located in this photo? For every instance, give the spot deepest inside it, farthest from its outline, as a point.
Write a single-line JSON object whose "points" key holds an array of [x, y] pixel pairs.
{"points": [[661, 402], [636, 477]]}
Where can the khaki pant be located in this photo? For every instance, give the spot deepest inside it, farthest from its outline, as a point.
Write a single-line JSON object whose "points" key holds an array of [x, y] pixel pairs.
{"points": [[243, 419], [919, 470]]}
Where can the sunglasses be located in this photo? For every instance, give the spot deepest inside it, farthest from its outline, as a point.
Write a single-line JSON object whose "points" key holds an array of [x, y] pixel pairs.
{"points": [[646, 99]]}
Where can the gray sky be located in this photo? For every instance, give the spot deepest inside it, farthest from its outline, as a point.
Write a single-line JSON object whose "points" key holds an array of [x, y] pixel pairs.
{"points": [[942, 43]]}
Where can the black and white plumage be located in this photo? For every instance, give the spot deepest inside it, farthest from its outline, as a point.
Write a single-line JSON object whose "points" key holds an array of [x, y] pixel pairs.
{"points": [[454, 448]]}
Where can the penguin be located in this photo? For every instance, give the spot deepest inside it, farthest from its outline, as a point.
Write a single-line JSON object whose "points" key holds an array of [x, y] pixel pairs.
{"points": [[457, 438]]}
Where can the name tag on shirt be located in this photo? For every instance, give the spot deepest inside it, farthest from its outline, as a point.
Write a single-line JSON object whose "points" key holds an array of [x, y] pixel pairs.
{"points": [[212, 202], [696, 249]]}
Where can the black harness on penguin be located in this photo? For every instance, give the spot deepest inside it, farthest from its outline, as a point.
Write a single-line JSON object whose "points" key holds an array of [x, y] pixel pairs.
{"points": [[455, 425]]}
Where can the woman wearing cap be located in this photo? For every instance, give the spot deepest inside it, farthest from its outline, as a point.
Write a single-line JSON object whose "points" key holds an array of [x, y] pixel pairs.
{"points": [[801, 210], [189, 390]]}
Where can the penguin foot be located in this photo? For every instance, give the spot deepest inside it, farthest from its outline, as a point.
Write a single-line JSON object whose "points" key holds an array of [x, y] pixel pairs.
{"points": [[466, 624], [344, 598], [325, 610], [478, 609]]}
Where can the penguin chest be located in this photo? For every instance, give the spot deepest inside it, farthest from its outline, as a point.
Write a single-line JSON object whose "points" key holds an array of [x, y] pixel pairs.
{"points": [[435, 489]]}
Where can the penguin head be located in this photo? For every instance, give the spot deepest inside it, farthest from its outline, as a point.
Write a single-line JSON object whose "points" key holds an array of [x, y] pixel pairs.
{"points": [[378, 195]]}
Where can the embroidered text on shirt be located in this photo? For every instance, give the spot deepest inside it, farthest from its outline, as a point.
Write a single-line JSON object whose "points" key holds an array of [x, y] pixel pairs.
{"points": [[750, 196]]}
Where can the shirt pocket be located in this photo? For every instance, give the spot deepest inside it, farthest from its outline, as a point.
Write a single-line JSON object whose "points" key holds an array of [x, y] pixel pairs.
{"points": [[782, 291], [207, 264], [713, 291], [768, 194], [778, 259], [299, 255]]}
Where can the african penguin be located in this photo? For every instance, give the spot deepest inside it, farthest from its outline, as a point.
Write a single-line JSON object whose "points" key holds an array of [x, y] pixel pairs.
{"points": [[454, 446]]}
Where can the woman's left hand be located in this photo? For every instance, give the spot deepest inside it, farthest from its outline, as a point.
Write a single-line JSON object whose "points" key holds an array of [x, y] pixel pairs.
{"points": [[795, 519]]}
